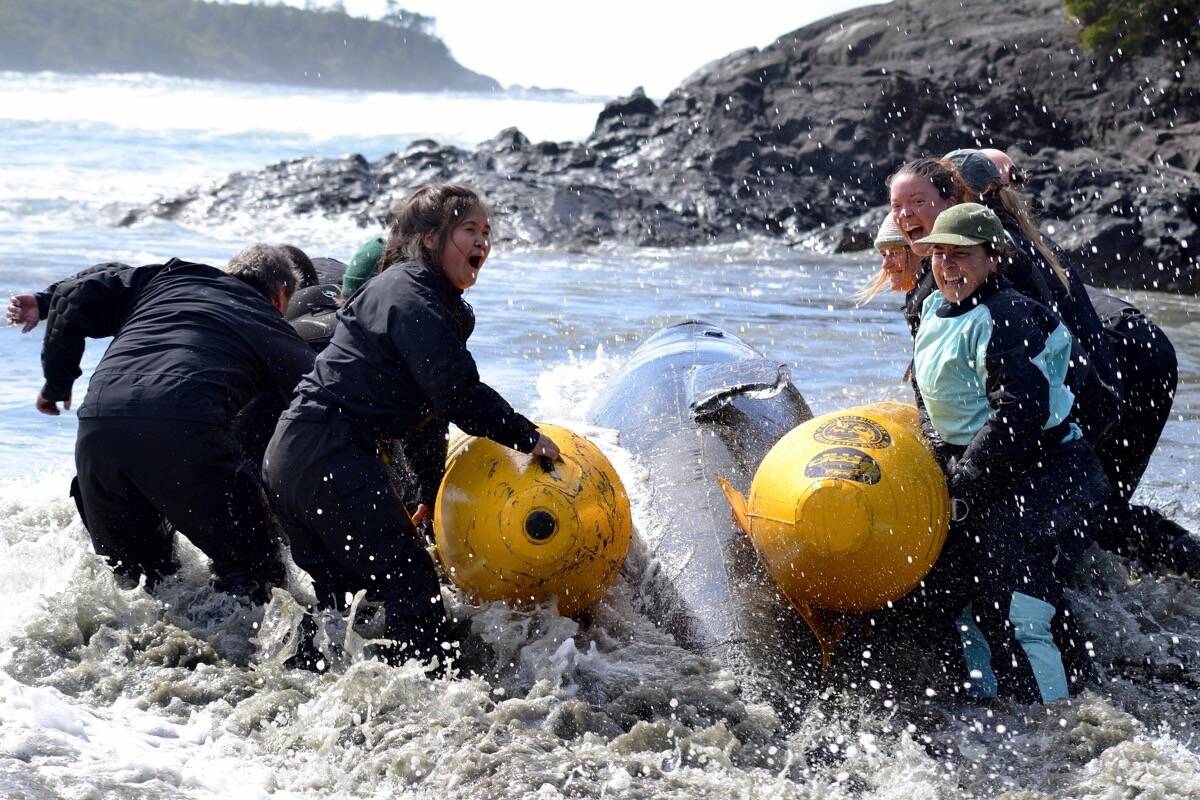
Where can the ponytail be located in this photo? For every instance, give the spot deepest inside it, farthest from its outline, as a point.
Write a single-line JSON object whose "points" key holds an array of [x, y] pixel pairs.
{"points": [[879, 282], [1013, 203]]}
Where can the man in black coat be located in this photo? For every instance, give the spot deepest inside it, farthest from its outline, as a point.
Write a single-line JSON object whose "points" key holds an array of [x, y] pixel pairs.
{"points": [[191, 346]]}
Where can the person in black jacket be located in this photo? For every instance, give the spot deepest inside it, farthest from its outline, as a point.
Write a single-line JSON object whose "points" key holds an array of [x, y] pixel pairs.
{"points": [[1126, 363], [1132, 370], [994, 371], [191, 345], [397, 368], [312, 312]]}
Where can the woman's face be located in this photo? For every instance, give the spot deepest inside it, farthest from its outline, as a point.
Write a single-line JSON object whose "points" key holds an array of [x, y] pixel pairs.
{"points": [[959, 271], [901, 266], [915, 205], [467, 248]]}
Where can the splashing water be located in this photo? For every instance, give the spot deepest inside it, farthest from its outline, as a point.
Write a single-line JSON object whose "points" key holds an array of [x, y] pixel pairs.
{"points": [[109, 692]]}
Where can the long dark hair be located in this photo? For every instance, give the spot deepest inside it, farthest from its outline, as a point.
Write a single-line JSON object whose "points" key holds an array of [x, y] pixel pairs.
{"points": [[436, 208]]}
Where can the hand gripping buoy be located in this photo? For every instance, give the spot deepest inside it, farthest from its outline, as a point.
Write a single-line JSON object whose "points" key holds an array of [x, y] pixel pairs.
{"points": [[512, 527]]}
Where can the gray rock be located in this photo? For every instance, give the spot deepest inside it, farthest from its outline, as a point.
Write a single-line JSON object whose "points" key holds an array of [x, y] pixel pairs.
{"points": [[798, 138]]}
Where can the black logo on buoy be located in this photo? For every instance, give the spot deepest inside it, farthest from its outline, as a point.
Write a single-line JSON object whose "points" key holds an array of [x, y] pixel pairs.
{"points": [[858, 431], [844, 463], [540, 525]]}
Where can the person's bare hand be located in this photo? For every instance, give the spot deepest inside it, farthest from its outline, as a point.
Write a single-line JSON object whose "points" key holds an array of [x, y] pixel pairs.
{"points": [[23, 310], [546, 448], [420, 515], [51, 408]]}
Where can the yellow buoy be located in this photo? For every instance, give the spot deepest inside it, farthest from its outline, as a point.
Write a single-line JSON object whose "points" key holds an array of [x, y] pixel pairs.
{"points": [[508, 529], [847, 512]]}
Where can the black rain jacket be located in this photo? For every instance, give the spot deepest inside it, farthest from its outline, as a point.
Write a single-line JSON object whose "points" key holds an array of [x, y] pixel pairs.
{"points": [[398, 361], [189, 342]]}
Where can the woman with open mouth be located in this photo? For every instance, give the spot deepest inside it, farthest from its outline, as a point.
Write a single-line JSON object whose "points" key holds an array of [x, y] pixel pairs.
{"points": [[918, 192], [397, 369]]}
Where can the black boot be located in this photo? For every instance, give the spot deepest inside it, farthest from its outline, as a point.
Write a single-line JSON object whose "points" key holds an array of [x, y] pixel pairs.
{"points": [[1165, 544], [1182, 548], [410, 636], [1078, 661], [254, 582]]}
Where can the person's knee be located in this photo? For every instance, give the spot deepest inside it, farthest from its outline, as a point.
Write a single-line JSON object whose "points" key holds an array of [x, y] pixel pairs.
{"points": [[128, 533], [415, 635]]}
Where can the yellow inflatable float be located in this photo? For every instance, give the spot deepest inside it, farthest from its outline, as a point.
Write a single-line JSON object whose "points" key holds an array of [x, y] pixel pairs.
{"points": [[847, 512], [511, 527]]}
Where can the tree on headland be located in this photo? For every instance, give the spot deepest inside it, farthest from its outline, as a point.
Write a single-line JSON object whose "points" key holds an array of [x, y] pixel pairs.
{"points": [[247, 42], [408, 20], [1138, 27]]}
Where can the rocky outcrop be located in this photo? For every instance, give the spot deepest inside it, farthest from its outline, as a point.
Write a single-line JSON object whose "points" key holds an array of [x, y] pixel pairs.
{"points": [[796, 140]]}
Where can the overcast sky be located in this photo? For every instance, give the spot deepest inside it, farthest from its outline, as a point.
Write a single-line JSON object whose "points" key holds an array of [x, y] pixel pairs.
{"points": [[603, 47]]}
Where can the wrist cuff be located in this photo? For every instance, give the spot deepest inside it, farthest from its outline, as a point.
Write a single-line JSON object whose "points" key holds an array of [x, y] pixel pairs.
{"points": [[56, 391]]}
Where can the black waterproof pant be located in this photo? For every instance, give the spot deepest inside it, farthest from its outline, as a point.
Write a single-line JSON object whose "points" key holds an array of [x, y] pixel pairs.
{"points": [[140, 480], [1149, 373], [350, 531], [1005, 564], [424, 462]]}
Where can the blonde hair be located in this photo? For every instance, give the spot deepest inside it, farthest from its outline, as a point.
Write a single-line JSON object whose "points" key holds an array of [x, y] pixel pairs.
{"points": [[1013, 203], [877, 284]]}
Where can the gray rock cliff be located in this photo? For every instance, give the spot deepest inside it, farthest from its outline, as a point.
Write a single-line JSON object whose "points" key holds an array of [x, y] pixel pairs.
{"points": [[796, 140]]}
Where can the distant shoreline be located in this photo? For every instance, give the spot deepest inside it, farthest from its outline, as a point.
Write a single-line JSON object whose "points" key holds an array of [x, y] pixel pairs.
{"points": [[247, 43], [515, 92]]}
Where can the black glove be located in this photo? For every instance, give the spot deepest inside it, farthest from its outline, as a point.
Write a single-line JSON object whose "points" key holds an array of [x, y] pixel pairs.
{"points": [[964, 485]]}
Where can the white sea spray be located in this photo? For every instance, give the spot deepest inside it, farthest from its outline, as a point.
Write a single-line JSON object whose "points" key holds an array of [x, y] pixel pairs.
{"points": [[109, 692]]}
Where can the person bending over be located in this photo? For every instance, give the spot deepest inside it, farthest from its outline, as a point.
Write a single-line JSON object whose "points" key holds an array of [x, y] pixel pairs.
{"points": [[992, 369], [191, 345], [397, 368], [311, 311]]}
